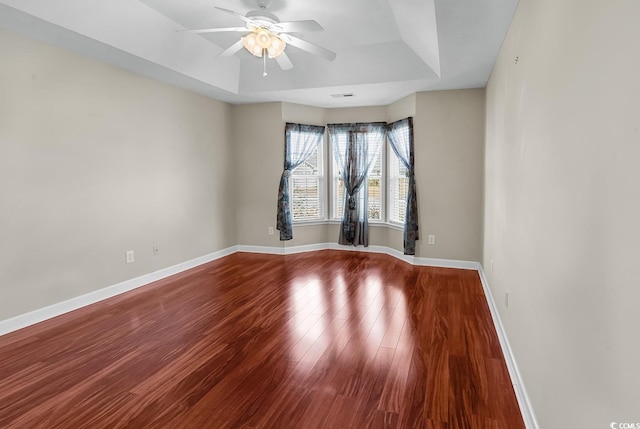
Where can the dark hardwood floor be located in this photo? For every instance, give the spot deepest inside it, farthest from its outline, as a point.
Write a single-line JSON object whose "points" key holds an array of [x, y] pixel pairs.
{"points": [[325, 339]]}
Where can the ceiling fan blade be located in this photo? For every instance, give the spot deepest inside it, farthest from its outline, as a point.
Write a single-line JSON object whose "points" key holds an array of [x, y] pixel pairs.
{"points": [[284, 62], [217, 30], [309, 47], [231, 50], [298, 26], [230, 12]]}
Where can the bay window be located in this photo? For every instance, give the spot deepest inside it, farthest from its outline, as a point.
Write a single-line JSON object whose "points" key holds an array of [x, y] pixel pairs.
{"points": [[378, 159]]}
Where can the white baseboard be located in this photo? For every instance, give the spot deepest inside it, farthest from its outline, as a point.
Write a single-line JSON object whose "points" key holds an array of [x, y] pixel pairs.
{"points": [[51, 311], [431, 262], [516, 378], [40, 315]]}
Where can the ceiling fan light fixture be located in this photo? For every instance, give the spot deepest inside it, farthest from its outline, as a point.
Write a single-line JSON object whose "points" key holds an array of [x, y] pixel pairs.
{"points": [[250, 43], [276, 46], [263, 38], [260, 40]]}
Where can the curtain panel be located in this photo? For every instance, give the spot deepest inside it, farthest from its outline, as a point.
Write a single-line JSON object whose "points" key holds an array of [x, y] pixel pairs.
{"points": [[400, 135], [299, 143], [355, 147]]}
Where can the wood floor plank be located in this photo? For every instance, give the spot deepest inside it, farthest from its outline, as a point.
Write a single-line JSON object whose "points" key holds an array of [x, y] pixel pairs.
{"points": [[320, 339], [396, 382]]}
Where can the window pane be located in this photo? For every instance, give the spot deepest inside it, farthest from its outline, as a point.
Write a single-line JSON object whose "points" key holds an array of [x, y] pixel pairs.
{"points": [[307, 188], [309, 167], [376, 167], [398, 188], [306, 196], [339, 197], [403, 185], [375, 186], [375, 199]]}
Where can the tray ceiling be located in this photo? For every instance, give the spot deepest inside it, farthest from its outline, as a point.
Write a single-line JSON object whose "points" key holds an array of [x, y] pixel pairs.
{"points": [[386, 49]]}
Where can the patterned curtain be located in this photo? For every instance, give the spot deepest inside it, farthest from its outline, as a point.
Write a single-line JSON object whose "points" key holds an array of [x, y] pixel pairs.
{"points": [[355, 147], [299, 143], [400, 135]]}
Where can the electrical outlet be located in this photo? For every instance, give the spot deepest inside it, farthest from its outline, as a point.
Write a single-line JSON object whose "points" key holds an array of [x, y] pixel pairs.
{"points": [[431, 240], [130, 257], [270, 230], [506, 298], [156, 250]]}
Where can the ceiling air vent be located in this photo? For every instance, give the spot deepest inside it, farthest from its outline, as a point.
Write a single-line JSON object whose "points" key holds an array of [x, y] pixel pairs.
{"points": [[342, 95]]}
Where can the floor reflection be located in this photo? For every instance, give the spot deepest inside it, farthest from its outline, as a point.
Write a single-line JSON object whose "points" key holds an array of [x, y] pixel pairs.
{"points": [[344, 318]]}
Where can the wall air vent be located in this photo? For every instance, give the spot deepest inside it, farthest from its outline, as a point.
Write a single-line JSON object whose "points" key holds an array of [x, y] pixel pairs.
{"points": [[342, 95]]}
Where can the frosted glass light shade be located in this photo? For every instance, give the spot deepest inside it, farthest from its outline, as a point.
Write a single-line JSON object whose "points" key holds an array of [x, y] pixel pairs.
{"points": [[263, 40]]}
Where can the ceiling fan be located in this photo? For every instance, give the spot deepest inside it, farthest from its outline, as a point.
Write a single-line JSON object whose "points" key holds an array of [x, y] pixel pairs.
{"points": [[268, 37]]}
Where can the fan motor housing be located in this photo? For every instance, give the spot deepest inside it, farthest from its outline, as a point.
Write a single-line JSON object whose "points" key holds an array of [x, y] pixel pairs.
{"points": [[262, 15]]}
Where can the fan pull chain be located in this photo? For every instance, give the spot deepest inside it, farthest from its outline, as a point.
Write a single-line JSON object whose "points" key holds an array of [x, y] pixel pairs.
{"points": [[264, 63]]}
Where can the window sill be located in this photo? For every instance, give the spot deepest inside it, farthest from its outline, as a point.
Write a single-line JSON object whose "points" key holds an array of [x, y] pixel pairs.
{"points": [[309, 222], [391, 225]]}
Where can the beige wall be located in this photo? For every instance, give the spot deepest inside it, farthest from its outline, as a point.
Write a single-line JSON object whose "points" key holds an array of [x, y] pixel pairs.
{"points": [[258, 134], [403, 108], [449, 127], [562, 206], [95, 161]]}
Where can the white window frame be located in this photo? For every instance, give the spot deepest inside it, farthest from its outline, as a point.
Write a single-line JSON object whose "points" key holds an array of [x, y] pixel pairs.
{"points": [[322, 189]]}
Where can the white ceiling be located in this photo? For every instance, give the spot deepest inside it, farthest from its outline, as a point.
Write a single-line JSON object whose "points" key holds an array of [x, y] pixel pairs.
{"points": [[386, 49]]}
